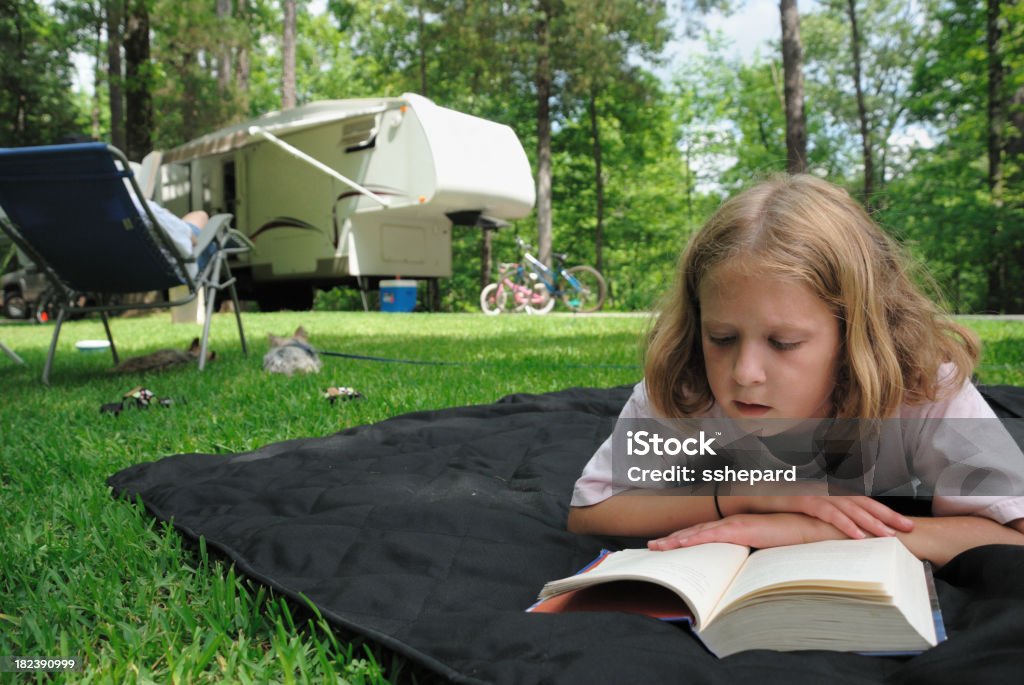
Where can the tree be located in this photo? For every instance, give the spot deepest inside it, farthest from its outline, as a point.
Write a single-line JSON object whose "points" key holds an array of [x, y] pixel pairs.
{"points": [[862, 113], [288, 56], [242, 63], [35, 76], [605, 36], [138, 97], [988, 274], [996, 98], [543, 83], [865, 95], [115, 78], [85, 21], [792, 66]]}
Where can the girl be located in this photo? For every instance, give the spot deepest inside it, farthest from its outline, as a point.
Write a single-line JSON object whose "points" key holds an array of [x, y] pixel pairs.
{"points": [[791, 304]]}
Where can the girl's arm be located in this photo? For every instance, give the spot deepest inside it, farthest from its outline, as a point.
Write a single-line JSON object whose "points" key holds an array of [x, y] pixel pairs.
{"points": [[936, 539], [657, 512]]}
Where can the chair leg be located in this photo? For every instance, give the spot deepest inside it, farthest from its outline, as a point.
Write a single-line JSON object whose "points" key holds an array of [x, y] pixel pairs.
{"points": [[110, 338], [13, 355], [61, 313], [211, 295], [238, 309]]}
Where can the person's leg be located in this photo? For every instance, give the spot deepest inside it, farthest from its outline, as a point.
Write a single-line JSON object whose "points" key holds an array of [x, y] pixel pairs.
{"points": [[197, 220]]}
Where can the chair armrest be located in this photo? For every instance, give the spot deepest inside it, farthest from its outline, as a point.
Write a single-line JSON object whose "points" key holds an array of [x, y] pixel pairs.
{"points": [[239, 242]]}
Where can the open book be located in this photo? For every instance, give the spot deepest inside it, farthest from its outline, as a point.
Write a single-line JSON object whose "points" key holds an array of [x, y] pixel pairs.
{"points": [[870, 596]]}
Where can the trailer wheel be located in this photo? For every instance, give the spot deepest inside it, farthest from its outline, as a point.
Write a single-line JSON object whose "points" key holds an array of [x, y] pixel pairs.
{"points": [[274, 298], [15, 306]]}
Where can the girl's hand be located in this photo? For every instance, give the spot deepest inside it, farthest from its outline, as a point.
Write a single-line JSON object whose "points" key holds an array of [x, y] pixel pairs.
{"points": [[856, 516], [751, 530]]}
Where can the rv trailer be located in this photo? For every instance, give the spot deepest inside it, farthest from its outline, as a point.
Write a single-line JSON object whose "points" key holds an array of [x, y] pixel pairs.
{"points": [[349, 191]]}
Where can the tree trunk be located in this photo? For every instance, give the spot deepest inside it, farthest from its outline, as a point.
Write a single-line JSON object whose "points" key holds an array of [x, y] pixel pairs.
{"points": [[996, 104], [793, 69], [138, 98], [115, 11], [689, 183], [422, 49], [595, 134], [97, 76], [543, 84], [189, 96], [224, 49], [862, 112], [1015, 144], [242, 65], [486, 256], [19, 95], [996, 300], [288, 56]]}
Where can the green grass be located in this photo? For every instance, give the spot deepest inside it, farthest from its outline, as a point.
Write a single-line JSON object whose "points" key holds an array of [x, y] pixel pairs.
{"points": [[84, 575]]}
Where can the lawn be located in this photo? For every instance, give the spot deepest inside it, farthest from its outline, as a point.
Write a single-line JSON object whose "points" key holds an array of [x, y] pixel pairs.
{"points": [[84, 575]]}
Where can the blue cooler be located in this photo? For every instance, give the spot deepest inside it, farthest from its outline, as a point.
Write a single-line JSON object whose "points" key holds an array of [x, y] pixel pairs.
{"points": [[397, 296]]}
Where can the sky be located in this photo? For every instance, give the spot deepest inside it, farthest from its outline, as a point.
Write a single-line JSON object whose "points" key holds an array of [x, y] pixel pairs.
{"points": [[750, 28]]}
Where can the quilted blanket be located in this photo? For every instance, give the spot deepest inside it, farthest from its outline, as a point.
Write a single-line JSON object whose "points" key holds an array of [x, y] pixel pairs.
{"points": [[432, 532]]}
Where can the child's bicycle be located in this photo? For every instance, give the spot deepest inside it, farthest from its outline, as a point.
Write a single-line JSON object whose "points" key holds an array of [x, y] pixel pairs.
{"points": [[532, 287], [515, 290]]}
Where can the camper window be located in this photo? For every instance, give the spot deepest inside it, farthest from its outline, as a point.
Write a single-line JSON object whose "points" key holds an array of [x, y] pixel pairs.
{"points": [[359, 133]]}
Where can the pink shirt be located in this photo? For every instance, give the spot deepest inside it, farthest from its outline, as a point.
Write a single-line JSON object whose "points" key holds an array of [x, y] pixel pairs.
{"points": [[928, 455]]}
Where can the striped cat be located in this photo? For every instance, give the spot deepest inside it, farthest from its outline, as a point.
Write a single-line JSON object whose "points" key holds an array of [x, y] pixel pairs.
{"points": [[162, 359]]}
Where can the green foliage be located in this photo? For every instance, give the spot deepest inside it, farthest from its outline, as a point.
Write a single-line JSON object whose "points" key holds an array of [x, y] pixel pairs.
{"points": [[893, 35], [669, 151], [647, 219], [970, 234], [36, 104]]}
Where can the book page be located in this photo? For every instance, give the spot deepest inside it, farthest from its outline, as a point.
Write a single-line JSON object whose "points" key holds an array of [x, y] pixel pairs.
{"points": [[699, 574], [865, 567], [913, 599]]}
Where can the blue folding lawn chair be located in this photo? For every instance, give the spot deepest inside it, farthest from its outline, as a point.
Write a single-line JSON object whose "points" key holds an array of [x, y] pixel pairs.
{"points": [[11, 353], [69, 209]]}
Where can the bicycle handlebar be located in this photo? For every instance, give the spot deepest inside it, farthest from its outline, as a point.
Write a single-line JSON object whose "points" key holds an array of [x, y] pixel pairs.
{"points": [[527, 247]]}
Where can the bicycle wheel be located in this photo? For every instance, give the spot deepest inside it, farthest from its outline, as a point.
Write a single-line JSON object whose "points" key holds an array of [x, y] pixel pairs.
{"points": [[516, 289], [585, 290], [525, 292], [492, 301], [541, 301]]}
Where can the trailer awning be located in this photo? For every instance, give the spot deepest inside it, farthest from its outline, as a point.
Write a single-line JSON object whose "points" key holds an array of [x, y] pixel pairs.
{"points": [[279, 123]]}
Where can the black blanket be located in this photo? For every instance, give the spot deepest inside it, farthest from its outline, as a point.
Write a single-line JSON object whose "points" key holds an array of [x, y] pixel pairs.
{"points": [[432, 532]]}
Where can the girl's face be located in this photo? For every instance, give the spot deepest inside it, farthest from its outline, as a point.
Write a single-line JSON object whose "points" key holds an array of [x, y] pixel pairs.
{"points": [[771, 347]]}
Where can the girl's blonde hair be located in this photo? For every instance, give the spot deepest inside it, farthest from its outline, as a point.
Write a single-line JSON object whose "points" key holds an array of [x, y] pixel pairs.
{"points": [[802, 228]]}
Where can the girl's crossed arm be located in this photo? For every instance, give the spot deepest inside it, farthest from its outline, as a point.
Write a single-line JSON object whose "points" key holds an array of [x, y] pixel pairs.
{"points": [[684, 520], [662, 511], [935, 539]]}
